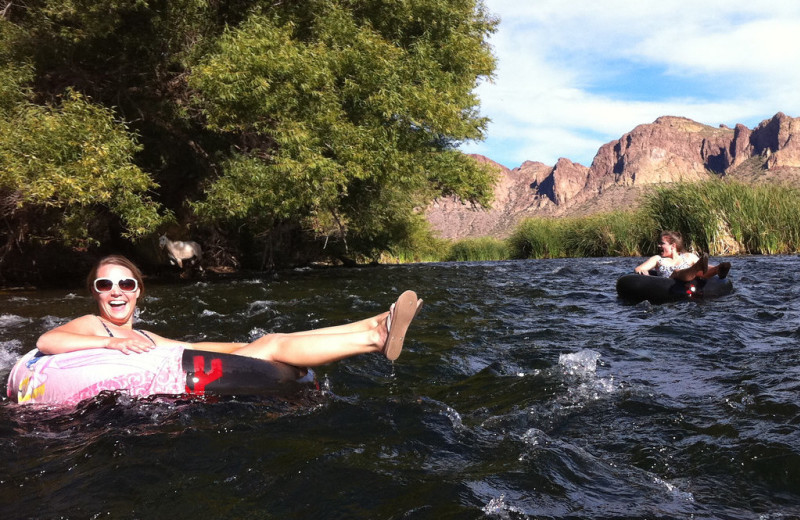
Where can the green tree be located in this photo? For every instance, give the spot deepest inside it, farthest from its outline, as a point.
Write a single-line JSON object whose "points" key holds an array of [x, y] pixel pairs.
{"points": [[334, 119], [348, 115], [62, 168]]}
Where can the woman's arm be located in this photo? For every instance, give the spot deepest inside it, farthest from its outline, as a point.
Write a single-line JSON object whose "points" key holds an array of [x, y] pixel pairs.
{"points": [[84, 333], [650, 263]]}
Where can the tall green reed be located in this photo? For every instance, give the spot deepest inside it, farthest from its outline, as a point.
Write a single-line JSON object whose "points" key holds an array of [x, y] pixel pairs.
{"points": [[481, 249], [729, 217], [608, 234]]}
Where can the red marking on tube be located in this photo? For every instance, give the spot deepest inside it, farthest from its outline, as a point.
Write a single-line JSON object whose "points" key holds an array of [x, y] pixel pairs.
{"points": [[201, 378]]}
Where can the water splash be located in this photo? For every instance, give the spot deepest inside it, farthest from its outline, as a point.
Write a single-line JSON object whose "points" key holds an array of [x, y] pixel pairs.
{"points": [[581, 364], [682, 495], [498, 507], [260, 307], [533, 437], [455, 418]]}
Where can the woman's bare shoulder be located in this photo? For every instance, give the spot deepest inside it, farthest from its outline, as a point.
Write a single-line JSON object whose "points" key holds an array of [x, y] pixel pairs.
{"points": [[88, 318]]}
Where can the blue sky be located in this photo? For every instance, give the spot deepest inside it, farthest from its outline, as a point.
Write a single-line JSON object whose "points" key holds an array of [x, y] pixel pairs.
{"points": [[573, 75]]}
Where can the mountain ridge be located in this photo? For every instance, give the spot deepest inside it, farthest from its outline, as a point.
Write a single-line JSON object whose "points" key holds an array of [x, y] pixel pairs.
{"points": [[670, 149]]}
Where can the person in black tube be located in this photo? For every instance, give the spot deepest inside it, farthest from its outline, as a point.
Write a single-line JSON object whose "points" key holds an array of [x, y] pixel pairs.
{"points": [[675, 262]]}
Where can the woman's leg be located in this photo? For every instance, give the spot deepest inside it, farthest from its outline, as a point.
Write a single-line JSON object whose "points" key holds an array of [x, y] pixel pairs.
{"points": [[692, 272], [356, 326], [307, 350], [382, 333], [720, 270]]}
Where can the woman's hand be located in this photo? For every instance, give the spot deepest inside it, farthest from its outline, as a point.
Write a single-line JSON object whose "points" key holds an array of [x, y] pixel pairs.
{"points": [[129, 345]]}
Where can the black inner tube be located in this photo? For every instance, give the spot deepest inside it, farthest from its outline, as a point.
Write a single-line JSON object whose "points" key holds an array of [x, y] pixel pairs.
{"points": [[229, 374]]}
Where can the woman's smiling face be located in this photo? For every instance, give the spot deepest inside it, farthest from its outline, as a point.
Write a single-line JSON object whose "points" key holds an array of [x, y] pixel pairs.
{"points": [[666, 247], [115, 305]]}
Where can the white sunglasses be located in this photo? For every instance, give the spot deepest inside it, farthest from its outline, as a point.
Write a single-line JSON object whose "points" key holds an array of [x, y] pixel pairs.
{"points": [[124, 284]]}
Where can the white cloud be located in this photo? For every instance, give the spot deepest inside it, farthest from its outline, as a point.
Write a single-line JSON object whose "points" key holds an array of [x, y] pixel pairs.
{"points": [[574, 75]]}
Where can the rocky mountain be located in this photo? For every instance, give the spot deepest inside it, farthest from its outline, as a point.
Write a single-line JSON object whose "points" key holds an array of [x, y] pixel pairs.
{"points": [[671, 149]]}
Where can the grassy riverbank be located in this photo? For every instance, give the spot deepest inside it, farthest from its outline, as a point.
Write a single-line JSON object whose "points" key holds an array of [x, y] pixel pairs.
{"points": [[718, 217]]}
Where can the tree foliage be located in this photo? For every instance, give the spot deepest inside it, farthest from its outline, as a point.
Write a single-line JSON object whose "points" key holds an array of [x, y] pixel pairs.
{"points": [[336, 119], [64, 164]]}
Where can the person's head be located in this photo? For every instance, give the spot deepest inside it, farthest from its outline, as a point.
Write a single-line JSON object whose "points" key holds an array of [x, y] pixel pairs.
{"points": [[116, 285], [672, 238]]}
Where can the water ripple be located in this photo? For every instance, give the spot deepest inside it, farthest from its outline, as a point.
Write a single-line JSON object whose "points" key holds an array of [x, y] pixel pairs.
{"points": [[525, 390]]}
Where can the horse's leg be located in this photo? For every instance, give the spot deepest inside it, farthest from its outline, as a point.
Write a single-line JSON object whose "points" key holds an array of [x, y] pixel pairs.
{"points": [[175, 260]]}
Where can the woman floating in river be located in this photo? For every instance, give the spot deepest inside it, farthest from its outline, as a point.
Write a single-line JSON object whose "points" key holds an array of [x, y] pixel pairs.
{"points": [[674, 262], [153, 363]]}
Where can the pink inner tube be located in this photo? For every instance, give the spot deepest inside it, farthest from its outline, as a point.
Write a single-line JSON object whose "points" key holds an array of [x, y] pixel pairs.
{"points": [[66, 379]]}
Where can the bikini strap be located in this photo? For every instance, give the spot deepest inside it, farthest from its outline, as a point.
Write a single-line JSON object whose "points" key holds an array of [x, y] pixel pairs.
{"points": [[106, 327], [143, 333], [146, 335]]}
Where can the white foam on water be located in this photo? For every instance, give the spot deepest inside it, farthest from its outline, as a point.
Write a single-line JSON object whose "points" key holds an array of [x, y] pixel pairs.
{"points": [[12, 320], [9, 352], [247, 281], [674, 491], [498, 507], [533, 437], [259, 307], [583, 366], [51, 322], [455, 418], [256, 333], [582, 363]]}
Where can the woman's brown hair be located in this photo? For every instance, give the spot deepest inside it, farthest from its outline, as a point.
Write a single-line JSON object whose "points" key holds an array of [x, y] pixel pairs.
{"points": [[674, 238]]}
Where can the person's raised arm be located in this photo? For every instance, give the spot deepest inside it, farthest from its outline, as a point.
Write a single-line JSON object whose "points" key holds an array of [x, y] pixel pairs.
{"points": [[644, 267]]}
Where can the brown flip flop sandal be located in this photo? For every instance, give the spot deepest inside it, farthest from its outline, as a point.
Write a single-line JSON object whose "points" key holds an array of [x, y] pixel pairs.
{"points": [[400, 316]]}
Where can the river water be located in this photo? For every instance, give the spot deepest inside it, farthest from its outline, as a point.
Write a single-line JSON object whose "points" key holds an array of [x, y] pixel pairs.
{"points": [[526, 390]]}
